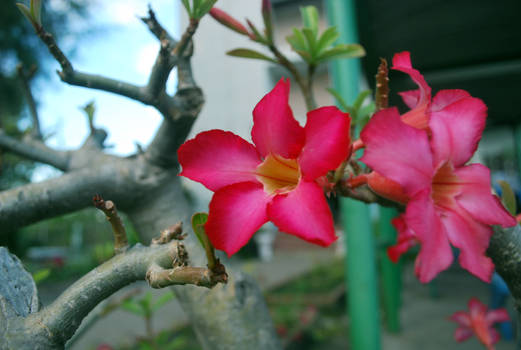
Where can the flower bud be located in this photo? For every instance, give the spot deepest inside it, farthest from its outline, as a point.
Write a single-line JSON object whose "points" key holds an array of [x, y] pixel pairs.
{"points": [[227, 20]]}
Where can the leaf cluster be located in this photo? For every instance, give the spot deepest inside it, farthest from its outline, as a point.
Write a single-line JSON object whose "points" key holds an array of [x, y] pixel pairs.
{"points": [[196, 9]]}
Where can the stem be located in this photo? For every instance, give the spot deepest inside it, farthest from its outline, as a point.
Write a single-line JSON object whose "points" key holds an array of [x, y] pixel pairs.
{"points": [[304, 85]]}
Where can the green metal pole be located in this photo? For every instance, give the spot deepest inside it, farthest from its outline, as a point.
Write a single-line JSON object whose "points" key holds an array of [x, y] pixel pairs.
{"points": [[361, 279], [390, 272]]}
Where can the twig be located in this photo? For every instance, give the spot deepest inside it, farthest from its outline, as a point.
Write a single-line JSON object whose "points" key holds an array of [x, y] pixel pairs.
{"points": [[25, 77], [120, 235], [173, 232], [156, 28]]}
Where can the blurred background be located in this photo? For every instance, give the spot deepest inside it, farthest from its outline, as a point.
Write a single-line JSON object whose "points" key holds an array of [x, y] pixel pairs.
{"points": [[471, 45]]}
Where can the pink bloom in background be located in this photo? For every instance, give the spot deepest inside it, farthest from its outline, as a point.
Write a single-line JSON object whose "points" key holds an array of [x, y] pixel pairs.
{"points": [[479, 321], [450, 202], [277, 179]]}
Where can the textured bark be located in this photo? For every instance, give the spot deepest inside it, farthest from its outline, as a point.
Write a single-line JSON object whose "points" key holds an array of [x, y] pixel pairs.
{"points": [[505, 252]]}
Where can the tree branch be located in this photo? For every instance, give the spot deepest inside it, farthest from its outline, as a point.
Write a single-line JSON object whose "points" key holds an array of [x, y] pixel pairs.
{"points": [[25, 77], [112, 177], [156, 28], [35, 150]]}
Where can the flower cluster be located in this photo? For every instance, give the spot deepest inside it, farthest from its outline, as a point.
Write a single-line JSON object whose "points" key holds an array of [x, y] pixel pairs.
{"points": [[417, 158]]}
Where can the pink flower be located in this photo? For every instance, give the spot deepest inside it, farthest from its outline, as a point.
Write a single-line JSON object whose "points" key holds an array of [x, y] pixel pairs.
{"points": [[479, 321], [275, 180], [450, 202]]}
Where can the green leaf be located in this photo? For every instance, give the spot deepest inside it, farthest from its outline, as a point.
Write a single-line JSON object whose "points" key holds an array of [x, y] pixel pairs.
{"points": [[360, 99], [310, 18], [198, 221], [247, 53], [133, 307], [343, 105], [186, 4], [36, 11], [25, 11], [162, 300], [41, 275], [297, 40], [507, 197], [204, 8], [311, 41], [365, 113], [342, 51], [327, 38]]}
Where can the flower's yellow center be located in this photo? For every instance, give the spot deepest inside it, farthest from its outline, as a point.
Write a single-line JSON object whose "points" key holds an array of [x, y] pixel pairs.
{"points": [[445, 185], [278, 174]]}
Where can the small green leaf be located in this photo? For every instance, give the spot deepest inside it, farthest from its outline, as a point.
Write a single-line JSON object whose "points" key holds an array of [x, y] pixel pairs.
{"points": [[258, 36], [204, 8], [198, 222], [327, 38], [297, 40], [360, 99], [247, 53], [132, 307], [311, 41], [507, 197], [340, 99], [162, 300], [310, 18], [36, 11], [186, 4], [25, 11], [342, 51], [41, 275], [365, 113]]}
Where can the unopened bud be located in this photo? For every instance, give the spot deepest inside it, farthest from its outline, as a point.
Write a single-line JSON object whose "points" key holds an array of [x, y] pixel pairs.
{"points": [[266, 15], [228, 21]]}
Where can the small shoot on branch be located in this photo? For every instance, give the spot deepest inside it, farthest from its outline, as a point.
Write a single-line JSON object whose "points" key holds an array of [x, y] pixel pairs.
{"points": [[198, 222], [33, 13], [508, 197]]}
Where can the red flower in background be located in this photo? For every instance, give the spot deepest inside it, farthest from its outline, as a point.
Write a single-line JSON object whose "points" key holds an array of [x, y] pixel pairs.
{"points": [[422, 154], [275, 180], [479, 321]]}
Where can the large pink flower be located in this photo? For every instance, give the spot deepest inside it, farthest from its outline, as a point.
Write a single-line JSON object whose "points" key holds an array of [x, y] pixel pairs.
{"points": [[480, 321], [275, 180], [449, 202]]}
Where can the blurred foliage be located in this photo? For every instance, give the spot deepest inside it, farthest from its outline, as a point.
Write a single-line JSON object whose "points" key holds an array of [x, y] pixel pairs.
{"points": [[309, 312], [19, 44]]}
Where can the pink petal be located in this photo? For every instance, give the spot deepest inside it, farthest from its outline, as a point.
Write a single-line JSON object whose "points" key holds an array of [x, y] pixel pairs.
{"points": [[462, 318], [494, 337], [218, 158], [498, 315], [435, 253], [274, 128], [446, 97], [456, 130], [472, 238], [406, 239], [236, 213], [476, 308], [327, 141], [398, 151], [304, 213], [477, 199], [410, 98], [462, 334], [402, 62]]}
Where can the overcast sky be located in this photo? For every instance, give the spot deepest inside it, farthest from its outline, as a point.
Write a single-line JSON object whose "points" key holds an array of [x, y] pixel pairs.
{"points": [[124, 49]]}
